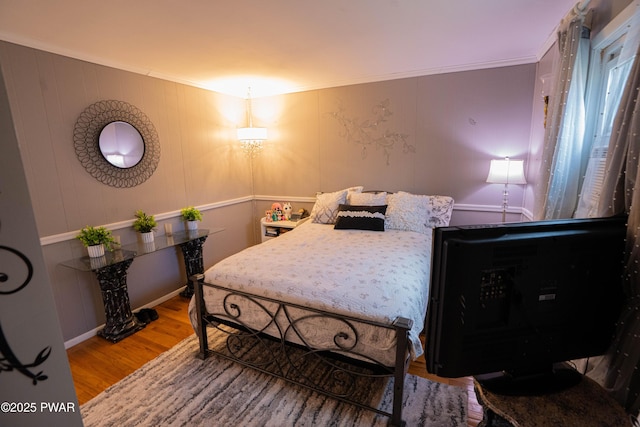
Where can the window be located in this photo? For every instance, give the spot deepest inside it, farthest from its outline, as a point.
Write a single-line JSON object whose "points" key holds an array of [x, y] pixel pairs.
{"points": [[611, 62]]}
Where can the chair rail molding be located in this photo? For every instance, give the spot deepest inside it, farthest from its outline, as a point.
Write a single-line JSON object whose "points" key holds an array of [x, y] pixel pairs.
{"points": [[70, 235]]}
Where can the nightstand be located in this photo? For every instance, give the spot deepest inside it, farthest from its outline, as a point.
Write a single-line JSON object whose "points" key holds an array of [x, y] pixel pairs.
{"points": [[269, 230]]}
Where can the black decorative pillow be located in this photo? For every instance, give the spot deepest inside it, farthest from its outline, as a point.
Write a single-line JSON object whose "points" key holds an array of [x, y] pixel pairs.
{"points": [[354, 217]]}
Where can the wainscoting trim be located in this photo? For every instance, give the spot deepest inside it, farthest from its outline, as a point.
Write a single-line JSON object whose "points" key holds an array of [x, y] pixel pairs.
{"points": [[62, 237]]}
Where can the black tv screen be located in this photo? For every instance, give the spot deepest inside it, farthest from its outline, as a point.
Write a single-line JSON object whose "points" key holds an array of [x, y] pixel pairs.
{"points": [[507, 302]]}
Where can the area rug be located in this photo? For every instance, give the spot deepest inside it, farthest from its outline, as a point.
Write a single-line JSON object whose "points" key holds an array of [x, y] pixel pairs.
{"points": [[178, 389]]}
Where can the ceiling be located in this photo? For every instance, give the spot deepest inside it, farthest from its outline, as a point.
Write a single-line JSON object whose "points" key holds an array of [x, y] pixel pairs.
{"points": [[282, 46]]}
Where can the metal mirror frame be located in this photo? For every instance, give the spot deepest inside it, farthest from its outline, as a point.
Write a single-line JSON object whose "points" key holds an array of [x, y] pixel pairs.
{"points": [[86, 135]]}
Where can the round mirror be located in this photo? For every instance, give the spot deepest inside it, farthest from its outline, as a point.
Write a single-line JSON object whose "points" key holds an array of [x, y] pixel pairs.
{"points": [[116, 143], [121, 144]]}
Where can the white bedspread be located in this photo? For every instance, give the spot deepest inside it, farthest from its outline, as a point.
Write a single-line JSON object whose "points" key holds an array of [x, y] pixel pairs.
{"points": [[370, 275]]}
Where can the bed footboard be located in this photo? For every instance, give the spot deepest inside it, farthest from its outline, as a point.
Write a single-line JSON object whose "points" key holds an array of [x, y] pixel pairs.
{"points": [[291, 353]]}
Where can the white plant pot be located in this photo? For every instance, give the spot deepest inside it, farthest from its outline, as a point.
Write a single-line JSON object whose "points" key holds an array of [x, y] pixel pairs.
{"points": [[149, 247], [192, 225], [95, 251], [98, 262], [147, 237]]}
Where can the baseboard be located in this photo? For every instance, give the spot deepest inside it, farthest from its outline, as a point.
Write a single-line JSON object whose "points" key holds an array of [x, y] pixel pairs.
{"points": [[92, 333]]}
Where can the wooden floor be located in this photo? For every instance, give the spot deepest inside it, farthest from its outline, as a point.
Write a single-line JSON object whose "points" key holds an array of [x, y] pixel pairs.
{"points": [[96, 363]]}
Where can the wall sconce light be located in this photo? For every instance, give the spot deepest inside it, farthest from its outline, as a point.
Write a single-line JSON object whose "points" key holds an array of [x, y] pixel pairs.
{"points": [[506, 171], [251, 137]]}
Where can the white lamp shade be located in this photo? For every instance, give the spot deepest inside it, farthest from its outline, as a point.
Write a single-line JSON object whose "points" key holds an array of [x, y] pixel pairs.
{"points": [[252, 134], [506, 171]]}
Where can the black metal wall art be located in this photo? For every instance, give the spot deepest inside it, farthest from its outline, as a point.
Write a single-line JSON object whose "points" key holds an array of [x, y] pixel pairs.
{"points": [[16, 272]]}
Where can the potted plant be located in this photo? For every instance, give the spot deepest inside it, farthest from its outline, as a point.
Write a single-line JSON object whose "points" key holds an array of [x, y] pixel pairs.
{"points": [[192, 216], [96, 239], [144, 224]]}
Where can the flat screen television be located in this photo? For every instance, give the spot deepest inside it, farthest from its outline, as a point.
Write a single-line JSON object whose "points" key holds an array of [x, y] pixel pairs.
{"points": [[508, 303]]}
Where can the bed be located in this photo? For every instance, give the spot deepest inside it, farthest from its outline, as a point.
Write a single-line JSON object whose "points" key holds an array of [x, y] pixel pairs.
{"points": [[343, 295]]}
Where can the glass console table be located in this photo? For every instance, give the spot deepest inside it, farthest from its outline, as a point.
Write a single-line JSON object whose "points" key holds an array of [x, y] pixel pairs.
{"points": [[111, 272], [190, 242]]}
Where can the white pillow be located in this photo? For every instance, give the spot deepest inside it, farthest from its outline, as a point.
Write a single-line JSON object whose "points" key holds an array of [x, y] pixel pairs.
{"points": [[353, 190], [419, 213], [325, 210], [368, 199]]}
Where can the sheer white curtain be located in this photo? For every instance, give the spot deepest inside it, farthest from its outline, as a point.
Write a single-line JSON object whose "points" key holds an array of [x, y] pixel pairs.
{"points": [[619, 372], [563, 156], [612, 74]]}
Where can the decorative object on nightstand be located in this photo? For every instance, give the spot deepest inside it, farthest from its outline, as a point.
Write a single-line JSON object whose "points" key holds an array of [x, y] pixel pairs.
{"points": [[276, 212], [191, 215], [506, 171], [96, 239], [301, 214], [145, 224], [286, 208]]}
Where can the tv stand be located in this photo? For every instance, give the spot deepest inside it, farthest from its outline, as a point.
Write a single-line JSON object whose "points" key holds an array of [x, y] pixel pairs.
{"points": [[553, 378], [585, 404]]}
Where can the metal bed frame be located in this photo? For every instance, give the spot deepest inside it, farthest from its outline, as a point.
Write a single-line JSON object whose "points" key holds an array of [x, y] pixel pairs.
{"points": [[343, 371]]}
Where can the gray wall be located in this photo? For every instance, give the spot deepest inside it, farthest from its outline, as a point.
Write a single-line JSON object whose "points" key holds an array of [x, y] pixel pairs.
{"points": [[199, 165], [456, 123]]}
